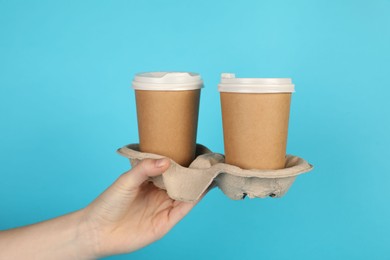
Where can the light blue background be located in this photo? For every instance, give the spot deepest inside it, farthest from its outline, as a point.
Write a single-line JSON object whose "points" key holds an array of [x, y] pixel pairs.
{"points": [[66, 106]]}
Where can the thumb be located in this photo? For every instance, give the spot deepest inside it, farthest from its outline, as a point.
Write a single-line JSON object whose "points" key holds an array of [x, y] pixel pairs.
{"points": [[146, 168]]}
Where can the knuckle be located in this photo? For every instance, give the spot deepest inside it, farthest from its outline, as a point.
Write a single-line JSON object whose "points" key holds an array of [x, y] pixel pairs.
{"points": [[121, 182], [123, 185]]}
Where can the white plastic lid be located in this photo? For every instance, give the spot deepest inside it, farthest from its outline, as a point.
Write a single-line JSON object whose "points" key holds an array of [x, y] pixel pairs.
{"points": [[229, 83], [167, 81]]}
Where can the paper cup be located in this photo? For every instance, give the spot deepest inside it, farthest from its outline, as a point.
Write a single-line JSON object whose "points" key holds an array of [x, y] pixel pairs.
{"points": [[255, 115], [167, 113]]}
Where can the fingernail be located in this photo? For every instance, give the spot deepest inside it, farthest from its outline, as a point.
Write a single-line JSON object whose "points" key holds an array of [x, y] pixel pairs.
{"points": [[161, 162]]}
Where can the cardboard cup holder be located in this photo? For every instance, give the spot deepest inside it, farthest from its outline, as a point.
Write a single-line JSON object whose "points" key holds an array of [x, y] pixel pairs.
{"points": [[208, 170]]}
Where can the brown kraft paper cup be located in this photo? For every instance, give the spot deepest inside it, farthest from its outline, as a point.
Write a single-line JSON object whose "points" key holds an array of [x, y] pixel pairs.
{"points": [[168, 120], [255, 125]]}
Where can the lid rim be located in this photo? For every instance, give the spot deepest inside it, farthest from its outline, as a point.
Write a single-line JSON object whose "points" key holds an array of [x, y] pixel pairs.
{"points": [[167, 80], [229, 83], [166, 88], [257, 92]]}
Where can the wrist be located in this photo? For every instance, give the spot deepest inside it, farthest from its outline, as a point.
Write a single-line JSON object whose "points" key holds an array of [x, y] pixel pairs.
{"points": [[85, 237]]}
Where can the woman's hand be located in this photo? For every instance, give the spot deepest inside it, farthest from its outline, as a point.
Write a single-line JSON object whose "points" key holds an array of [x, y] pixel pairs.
{"points": [[132, 212]]}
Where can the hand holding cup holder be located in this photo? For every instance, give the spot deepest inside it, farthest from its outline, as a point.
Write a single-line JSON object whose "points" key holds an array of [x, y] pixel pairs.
{"points": [[208, 170]]}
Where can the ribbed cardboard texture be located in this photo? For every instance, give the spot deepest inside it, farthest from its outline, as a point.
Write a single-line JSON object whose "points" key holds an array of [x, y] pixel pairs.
{"points": [[167, 123], [255, 127], [208, 170]]}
